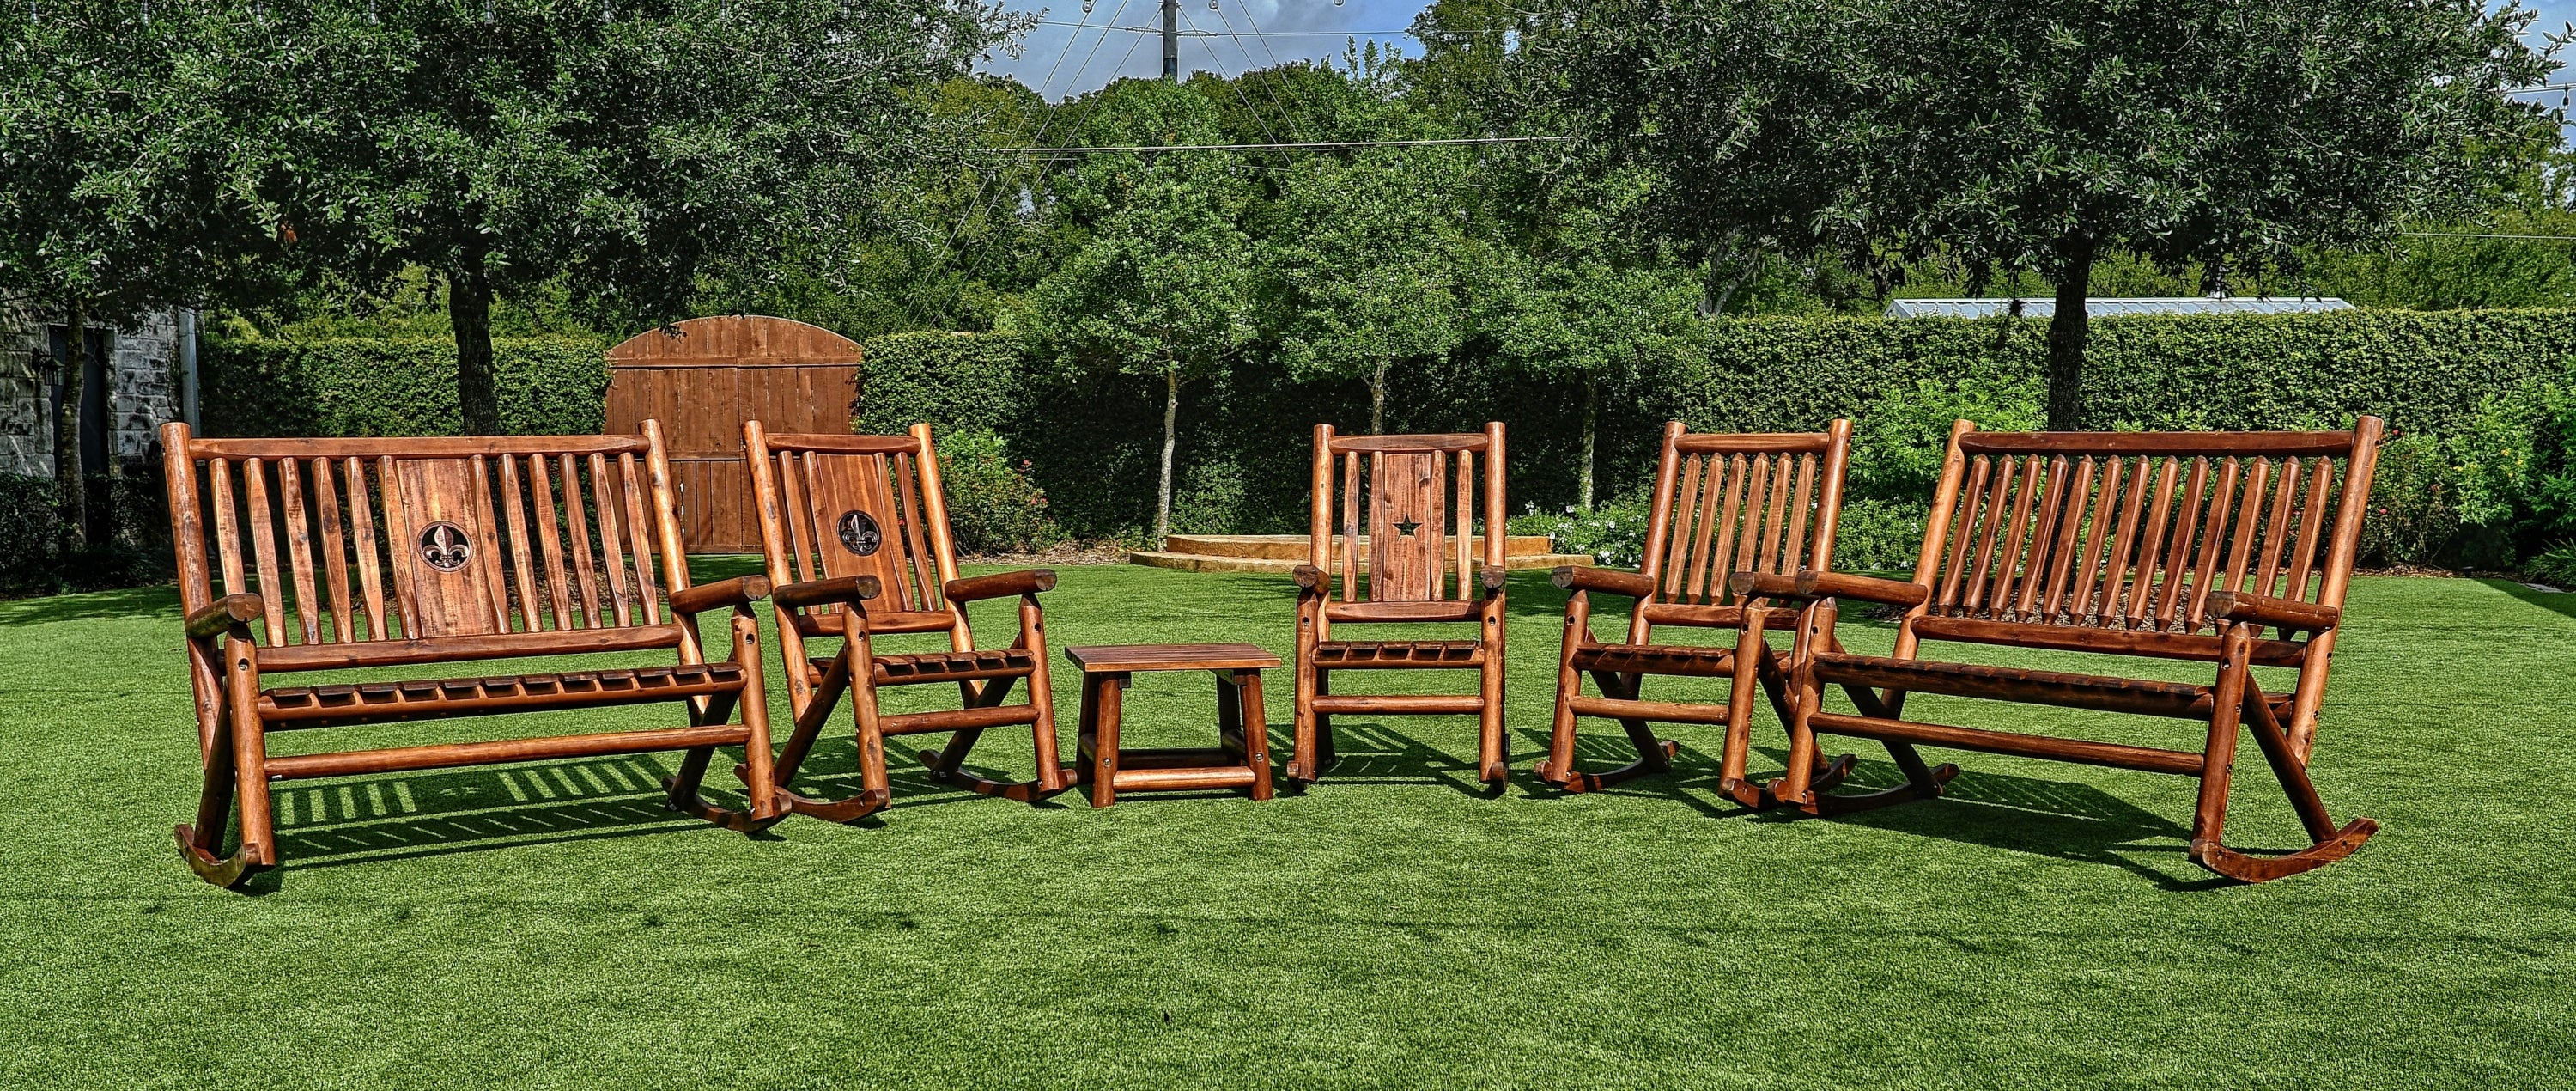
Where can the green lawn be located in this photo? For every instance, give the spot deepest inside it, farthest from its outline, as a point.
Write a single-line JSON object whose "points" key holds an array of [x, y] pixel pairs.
{"points": [[1394, 926]]}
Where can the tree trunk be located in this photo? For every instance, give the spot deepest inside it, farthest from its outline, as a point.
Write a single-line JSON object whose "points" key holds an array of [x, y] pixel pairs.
{"points": [[1171, 417], [1591, 418], [72, 493], [1377, 398], [2067, 332], [469, 313]]}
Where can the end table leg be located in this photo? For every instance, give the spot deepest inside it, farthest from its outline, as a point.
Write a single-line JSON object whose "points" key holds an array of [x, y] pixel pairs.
{"points": [[1104, 767], [1256, 731], [1086, 729]]}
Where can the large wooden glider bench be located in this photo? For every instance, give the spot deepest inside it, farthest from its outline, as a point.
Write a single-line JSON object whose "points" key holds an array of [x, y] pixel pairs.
{"points": [[2227, 548], [300, 555]]}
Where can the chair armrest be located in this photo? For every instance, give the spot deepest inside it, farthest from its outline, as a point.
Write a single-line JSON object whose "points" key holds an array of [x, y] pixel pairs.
{"points": [[1027, 581], [222, 614], [2284, 614], [722, 594], [1575, 577], [1311, 578], [1811, 585], [839, 590]]}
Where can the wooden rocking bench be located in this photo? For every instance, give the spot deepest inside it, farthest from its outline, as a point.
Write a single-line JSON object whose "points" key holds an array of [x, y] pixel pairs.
{"points": [[348, 553], [1723, 503], [2183, 546], [1405, 526], [855, 531]]}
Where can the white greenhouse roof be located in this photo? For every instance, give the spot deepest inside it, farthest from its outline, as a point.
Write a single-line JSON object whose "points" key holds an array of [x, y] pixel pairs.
{"points": [[2113, 306]]}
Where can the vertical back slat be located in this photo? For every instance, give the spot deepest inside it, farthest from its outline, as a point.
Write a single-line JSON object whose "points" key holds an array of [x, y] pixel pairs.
{"points": [[801, 546], [362, 533], [228, 544], [612, 549], [2043, 540], [2152, 557], [1963, 533], [1435, 524], [1748, 533], [514, 512], [2249, 515], [1769, 559], [1717, 536], [2312, 520], [1680, 577], [541, 493], [2105, 598], [299, 550], [2276, 534], [2097, 540], [398, 536], [916, 537], [1800, 514], [487, 545], [335, 552], [1989, 524], [1466, 524], [2213, 541], [2011, 569], [585, 583], [1350, 526], [263, 544], [2178, 553], [2070, 539], [648, 594]]}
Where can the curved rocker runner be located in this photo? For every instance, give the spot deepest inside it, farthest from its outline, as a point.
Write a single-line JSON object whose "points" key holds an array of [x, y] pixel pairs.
{"points": [[463, 551]]}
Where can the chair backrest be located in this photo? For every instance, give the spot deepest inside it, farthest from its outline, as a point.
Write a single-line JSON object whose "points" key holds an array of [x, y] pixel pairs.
{"points": [[2132, 531], [846, 505], [1741, 503], [360, 541], [1397, 504]]}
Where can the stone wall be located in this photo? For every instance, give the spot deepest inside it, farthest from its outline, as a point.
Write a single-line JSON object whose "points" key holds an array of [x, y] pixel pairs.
{"points": [[143, 387]]}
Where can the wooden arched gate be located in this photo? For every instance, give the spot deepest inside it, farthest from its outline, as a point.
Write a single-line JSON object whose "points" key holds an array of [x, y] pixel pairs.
{"points": [[702, 379]]}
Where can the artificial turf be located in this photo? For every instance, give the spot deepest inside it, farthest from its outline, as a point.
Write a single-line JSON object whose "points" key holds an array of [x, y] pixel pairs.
{"points": [[551, 926]]}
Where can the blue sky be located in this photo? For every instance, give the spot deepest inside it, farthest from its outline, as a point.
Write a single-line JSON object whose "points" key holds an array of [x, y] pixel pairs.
{"points": [[1062, 60]]}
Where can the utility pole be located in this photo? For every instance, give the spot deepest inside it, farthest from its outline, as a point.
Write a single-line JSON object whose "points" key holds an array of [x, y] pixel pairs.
{"points": [[1172, 40]]}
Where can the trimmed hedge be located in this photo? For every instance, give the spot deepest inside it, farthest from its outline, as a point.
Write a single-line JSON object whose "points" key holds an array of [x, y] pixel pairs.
{"points": [[1093, 441], [394, 387]]}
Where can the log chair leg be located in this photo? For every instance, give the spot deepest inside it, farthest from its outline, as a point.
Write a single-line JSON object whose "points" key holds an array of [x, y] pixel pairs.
{"points": [[1052, 777], [1104, 769], [1325, 754], [1086, 730], [1256, 731], [1301, 724], [1492, 745], [1557, 768], [2235, 700], [1752, 653], [767, 806]]}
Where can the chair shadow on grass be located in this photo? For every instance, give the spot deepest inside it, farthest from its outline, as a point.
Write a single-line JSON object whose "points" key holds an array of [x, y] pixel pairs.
{"points": [[2059, 819], [337, 823]]}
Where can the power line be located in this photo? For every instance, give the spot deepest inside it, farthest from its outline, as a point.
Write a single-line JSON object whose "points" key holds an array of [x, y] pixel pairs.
{"points": [[1262, 33], [1312, 145]]}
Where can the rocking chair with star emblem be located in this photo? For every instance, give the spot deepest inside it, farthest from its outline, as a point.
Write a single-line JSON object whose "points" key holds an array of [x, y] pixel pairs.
{"points": [[855, 530], [1396, 511], [301, 555]]}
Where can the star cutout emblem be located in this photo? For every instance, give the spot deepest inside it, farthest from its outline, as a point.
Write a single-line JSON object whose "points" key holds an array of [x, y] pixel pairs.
{"points": [[1407, 527]]}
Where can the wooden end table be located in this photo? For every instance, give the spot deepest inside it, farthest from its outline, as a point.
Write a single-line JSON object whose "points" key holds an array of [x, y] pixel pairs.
{"points": [[1241, 760]]}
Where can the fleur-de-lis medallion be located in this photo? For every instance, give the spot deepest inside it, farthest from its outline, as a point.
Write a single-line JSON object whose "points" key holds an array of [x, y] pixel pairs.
{"points": [[858, 532], [444, 546]]}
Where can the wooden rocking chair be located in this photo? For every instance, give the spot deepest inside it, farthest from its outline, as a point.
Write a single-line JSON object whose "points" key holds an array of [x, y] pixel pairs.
{"points": [[423, 523], [2025, 548], [1723, 503], [856, 533], [1409, 542]]}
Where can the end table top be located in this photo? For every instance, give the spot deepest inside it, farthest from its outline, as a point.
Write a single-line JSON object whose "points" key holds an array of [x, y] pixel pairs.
{"points": [[1132, 658]]}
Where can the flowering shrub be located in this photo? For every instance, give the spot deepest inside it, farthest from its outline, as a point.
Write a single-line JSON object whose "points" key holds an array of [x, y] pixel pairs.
{"points": [[1614, 534], [992, 506]]}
